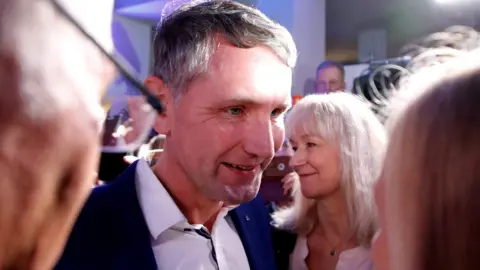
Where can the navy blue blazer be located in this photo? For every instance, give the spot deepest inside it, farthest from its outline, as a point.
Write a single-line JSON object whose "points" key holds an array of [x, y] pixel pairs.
{"points": [[111, 232]]}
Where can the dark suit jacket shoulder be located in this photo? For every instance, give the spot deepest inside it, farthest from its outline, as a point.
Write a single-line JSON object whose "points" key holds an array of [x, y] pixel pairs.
{"points": [[111, 232], [283, 243]]}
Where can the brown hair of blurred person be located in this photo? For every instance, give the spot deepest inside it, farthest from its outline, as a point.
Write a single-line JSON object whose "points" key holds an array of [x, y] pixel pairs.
{"points": [[51, 78], [435, 150], [428, 193]]}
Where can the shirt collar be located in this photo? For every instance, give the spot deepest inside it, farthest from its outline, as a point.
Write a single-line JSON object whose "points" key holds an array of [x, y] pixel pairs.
{"points": [[159, 209]]}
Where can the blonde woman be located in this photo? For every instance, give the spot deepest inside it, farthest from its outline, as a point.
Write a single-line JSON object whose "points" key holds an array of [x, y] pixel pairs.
{"points": [[428, 195], [338, 148]]}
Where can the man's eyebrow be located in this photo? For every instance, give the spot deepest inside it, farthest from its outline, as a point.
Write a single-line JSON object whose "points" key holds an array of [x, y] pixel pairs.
{"points": [[249, 102], [242, 100]]}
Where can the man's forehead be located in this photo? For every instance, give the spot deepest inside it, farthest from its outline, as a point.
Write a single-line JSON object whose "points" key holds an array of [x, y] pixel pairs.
{"points": [[253, 75], [95, 16], [227, 57], [233, 93], [243, 94]]}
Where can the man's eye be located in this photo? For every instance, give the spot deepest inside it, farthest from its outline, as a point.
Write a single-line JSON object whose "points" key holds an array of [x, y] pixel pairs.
{"points": [[294, 149], [235, 111], [311, 144]]}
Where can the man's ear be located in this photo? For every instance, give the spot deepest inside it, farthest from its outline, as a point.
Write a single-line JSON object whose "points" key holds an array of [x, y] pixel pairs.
{"points": [[160, 90]]}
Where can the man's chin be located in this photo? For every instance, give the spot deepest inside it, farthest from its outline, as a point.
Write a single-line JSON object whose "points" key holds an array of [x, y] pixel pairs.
{"points": [[234, 195]]}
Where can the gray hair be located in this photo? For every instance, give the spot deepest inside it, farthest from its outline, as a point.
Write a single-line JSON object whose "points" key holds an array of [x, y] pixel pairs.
{"points": [[345, 120], [187, 38]]}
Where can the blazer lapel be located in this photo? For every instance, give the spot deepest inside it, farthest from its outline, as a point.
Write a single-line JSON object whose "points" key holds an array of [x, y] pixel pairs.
{"points": [[247, 228]]}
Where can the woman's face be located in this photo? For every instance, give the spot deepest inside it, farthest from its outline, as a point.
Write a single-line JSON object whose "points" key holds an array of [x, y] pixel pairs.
{"points": [[317, 163]]}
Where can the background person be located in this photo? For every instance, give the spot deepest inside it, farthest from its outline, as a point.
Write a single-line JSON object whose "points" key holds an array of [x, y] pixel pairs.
{"points": [[330, 77], [338, 146]]}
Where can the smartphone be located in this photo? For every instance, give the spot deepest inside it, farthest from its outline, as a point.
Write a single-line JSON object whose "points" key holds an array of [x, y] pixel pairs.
{"points": [[271, 188]]}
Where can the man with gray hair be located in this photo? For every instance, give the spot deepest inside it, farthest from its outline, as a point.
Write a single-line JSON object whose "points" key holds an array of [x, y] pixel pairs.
{"points": [[224, 74], [52, 78]]}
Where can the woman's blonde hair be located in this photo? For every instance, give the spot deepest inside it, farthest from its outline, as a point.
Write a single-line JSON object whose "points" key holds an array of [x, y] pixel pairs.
{"points": [[343, 119]]}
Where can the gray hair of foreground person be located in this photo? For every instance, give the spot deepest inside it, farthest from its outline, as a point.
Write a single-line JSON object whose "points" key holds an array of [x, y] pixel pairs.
{"points": [[51, 78]]}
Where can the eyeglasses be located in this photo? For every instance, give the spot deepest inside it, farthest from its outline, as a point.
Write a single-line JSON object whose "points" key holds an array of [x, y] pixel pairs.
{"points": [[127, 128]]}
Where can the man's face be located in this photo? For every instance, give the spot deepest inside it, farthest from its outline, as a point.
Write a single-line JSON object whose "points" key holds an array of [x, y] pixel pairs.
{"points": [[328, 80], [228, 125]]}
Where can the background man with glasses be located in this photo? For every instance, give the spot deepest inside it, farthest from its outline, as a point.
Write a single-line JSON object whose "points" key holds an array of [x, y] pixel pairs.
{"points": [[52, 78], [223, 72]]}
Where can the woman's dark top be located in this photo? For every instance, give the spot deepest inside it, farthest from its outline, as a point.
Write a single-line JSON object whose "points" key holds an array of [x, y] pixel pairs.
{"points": [[283, 244]]}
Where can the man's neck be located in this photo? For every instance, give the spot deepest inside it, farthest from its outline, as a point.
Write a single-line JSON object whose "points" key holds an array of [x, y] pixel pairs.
{"points": [[195, 206]]}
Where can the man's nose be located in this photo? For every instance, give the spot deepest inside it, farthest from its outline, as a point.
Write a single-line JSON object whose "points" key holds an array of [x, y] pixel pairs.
{"points": [[259, 140]]}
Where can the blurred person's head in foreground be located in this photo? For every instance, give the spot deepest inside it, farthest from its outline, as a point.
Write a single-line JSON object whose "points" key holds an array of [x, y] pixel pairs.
{"points": [[428, 192], [52, 78], [224, 72]]}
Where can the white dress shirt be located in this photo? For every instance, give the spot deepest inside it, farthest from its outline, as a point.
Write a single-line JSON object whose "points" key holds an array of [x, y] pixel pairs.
{"points": [[351, 259], [175, 243]]}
